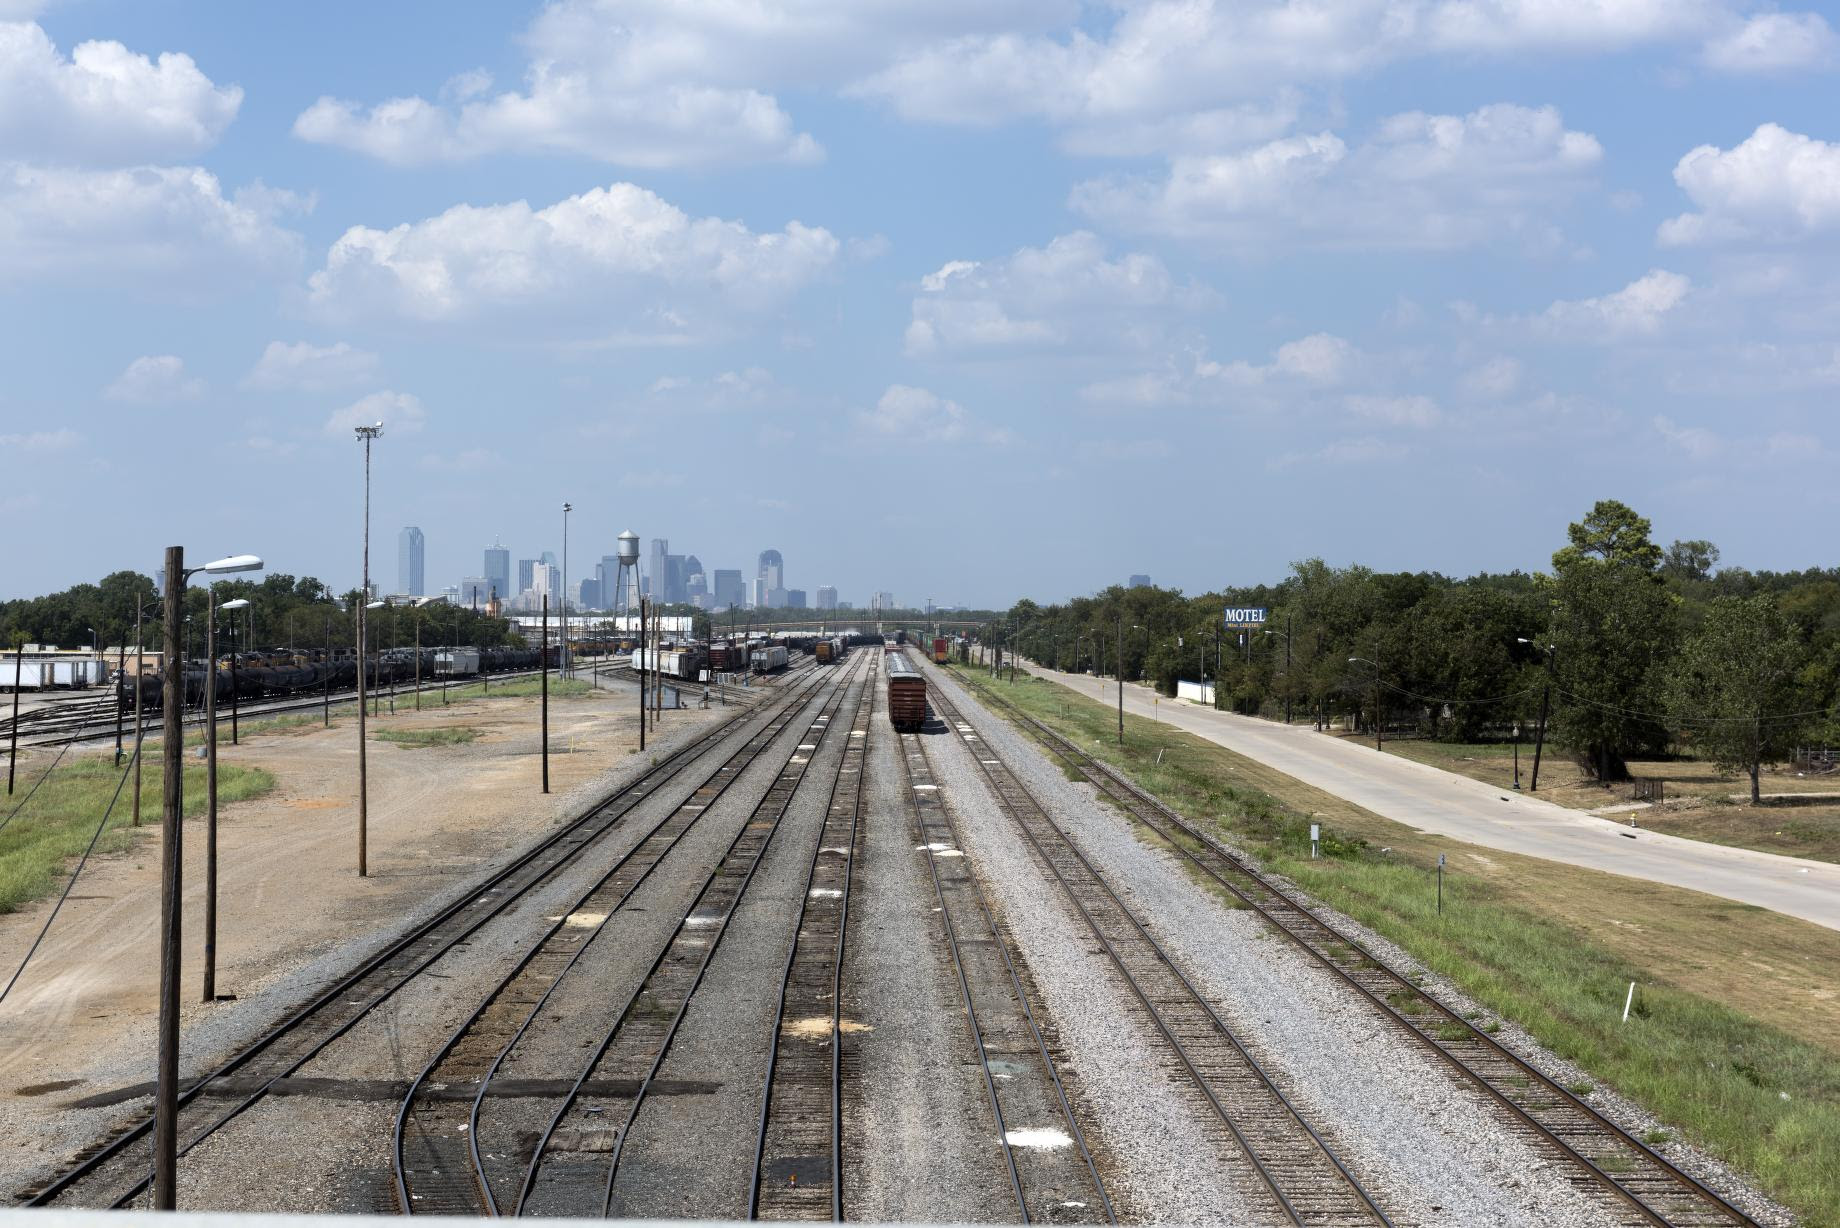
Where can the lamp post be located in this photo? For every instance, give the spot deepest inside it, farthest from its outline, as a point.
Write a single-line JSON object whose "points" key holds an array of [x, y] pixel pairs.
{"points": [[366, 435], [1377, 722], [1551, 652], [172, 849], [210, 787], [1287, 668], [1134, 627]]}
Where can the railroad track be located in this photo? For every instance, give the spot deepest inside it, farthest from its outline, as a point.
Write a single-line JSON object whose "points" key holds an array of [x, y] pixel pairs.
{"points": [[1294, 1171], [1051, 1184], [440, 1167], [114, 1171], [575, 1166], [798, 1150], [1605, 1158]]}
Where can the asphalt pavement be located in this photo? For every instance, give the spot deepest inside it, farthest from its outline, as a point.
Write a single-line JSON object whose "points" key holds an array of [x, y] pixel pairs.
{"points": [[1433, 800]]}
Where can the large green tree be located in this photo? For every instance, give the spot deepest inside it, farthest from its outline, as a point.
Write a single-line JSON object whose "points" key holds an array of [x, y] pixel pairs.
{"points": [[1613, 628], [1734, 689]]}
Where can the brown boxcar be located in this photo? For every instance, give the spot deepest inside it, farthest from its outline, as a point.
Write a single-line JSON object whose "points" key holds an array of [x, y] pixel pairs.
{"points": [[906, 693]]}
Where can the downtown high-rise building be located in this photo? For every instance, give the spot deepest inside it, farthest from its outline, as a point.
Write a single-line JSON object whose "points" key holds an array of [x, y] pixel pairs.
{"points": [[409, 545], [498, 570], [827, 597], [726, 589], [772, 569], [527, 570]]}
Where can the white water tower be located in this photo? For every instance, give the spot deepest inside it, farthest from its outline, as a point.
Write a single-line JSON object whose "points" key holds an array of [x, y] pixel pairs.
{"points": [[627, 581]]}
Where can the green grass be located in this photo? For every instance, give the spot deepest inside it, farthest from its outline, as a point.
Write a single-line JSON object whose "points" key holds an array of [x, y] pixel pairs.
{"points": [[523, 687], [1750, 1091], [431, 735], [36, 848]]}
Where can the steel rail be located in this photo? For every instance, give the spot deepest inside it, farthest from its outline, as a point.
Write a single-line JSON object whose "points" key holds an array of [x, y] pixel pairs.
{"points": [[1015, 797], [827, 924], [748, 848], [414, 950], [682, 817], [923, 797], [1315, 935]]}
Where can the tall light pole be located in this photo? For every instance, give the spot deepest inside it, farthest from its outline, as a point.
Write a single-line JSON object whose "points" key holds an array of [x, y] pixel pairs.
{"points": [[1552, 656], [1134, 627], [566, 509], [1377, 721], [172, 853], [367, 434], [1287, 672]]}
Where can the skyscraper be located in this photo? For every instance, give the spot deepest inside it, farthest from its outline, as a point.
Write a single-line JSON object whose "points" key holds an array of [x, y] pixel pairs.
{"points": [[526, 572], [772, 569], [727, 589], [498, 570], [827, 597], [1139, 582], [409, 561], [657, 569]]}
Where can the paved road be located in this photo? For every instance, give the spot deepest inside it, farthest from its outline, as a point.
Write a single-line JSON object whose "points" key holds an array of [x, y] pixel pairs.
{"points": [[1444, 803]]}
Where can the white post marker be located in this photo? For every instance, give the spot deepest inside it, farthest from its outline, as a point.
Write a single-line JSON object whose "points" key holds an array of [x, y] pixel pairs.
{"points": [[1440, 884], [1315, 835], [1629, 1001]]}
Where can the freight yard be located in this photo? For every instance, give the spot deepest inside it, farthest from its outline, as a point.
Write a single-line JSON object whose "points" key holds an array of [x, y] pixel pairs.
{"points": [[883, 950]]}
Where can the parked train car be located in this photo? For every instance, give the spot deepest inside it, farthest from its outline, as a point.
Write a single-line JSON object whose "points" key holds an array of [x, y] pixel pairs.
{"points": [[906, 693], [942, 650], [673, 661], [828, 652], [315, 672], [728, 657], [770, 659]]}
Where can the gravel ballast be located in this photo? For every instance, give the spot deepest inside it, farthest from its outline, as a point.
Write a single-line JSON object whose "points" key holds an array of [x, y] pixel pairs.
{"points": [[1425, 1145]]}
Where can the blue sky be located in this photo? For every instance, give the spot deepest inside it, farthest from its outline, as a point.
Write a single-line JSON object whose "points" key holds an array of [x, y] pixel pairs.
{"points": [[952, 299]]}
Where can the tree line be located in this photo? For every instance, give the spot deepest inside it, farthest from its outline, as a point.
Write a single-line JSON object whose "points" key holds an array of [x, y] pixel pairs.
{"points": [[285, 612], [1633, 649]]}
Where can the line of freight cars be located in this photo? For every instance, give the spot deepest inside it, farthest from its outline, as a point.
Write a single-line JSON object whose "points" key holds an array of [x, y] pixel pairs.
{"points": [[906, 692], [306, 673]]}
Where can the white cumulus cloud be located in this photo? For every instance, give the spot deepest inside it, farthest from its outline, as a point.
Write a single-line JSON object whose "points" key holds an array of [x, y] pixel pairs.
{"points": [[1413, 411], [608, 247], [303, 365], [1777, 185], [400, 413], [1774, 42], [1422, 181], [155, 379], [1068, 293], [918, 415], [104, 104], [1637, 308], [170, 229]]}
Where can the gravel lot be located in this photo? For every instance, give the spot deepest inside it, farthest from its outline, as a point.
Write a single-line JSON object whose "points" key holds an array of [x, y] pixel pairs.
{"points": [[1428, 1148]]}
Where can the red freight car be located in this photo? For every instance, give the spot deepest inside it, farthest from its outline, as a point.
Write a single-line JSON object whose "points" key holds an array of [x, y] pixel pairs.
{"points": [[906, 693], [940, 650]]}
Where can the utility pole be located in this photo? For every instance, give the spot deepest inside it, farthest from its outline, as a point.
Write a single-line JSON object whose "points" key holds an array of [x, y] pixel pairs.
{"points": [[12, 753], [367, 434], [1290, 627], [641, 656], [140, 677], [567, 667], [544, 640], [415, 612], [1121, 680], [1539, 745], [121, 672], [172, 852]]}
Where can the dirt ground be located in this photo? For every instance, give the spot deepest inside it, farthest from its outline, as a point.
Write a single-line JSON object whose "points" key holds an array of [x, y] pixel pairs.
{"points": [[81, 1019]]}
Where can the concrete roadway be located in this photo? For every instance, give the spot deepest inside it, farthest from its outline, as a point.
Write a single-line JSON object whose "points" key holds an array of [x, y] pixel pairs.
{"points": [[1440, 802]]}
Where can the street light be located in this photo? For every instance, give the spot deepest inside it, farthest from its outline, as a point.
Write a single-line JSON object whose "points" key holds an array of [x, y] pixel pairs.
{"points": [[1552, 657], [366, 434], [1376, 665], [1287, 671], [172, 851], [1134, 627]]}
